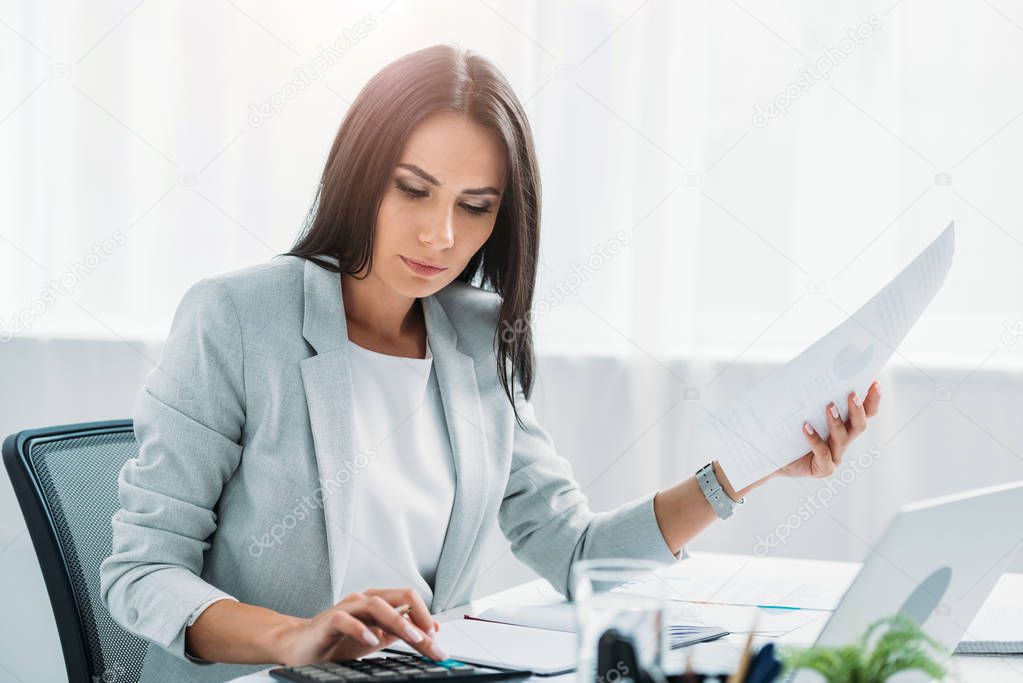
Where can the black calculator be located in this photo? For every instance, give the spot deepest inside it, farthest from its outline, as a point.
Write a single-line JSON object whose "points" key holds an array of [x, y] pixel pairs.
{"points": [[392, 669]]}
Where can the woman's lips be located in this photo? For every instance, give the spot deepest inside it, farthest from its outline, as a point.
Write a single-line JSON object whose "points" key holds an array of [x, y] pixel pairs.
{"points": [[422, 269]]}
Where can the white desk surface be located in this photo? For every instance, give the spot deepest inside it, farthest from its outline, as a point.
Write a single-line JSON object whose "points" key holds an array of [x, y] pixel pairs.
{"points": [[535, 592]]}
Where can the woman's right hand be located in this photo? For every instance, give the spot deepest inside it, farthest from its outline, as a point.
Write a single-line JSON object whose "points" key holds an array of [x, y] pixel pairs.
{"points": [[358, 625]]}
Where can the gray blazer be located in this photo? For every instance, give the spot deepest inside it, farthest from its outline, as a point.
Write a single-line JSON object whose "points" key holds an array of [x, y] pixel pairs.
{"points": [[246, 455]]}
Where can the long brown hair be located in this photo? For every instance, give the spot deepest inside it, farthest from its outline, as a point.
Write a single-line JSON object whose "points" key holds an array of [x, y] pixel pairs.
{"points": [[368, 146]]}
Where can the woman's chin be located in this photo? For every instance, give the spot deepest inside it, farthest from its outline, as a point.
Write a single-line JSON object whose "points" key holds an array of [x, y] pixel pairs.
{"points": [[415, 288]]}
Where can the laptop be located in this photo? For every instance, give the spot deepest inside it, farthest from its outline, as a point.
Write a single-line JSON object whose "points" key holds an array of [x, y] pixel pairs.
{"points": [[937, 562]]}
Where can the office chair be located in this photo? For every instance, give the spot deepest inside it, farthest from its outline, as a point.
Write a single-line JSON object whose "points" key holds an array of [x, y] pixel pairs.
{"points": [[65, 479]]}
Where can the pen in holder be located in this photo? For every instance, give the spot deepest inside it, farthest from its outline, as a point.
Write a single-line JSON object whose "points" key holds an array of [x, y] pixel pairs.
{"points": [[617, 663]]}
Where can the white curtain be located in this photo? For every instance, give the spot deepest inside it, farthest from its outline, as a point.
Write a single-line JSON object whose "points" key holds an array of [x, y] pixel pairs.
{"points": [[723, 182]]}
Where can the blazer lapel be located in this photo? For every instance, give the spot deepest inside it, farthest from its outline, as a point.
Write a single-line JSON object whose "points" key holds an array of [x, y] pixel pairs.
{"points": [[463, 413], [327, 380]]}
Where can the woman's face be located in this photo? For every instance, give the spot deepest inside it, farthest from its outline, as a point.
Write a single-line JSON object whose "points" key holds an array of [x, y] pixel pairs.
{"points": [[440, 205]]}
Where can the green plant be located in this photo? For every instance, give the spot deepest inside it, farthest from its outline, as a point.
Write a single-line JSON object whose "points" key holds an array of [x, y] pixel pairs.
{"points": [[879, 654]]}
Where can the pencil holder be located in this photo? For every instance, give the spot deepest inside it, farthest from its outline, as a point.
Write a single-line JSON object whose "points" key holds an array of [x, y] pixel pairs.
{"points": [[617, 663]]}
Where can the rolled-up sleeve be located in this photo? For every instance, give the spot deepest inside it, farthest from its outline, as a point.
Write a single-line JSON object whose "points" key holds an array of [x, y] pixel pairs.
{"points": [[547, 518], [188, 425]]}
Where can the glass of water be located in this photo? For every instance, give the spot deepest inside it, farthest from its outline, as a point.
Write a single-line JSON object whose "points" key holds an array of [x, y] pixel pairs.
{"points": [[601, 604]]}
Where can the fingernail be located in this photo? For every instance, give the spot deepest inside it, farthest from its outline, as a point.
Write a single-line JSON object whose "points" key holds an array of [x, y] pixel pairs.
{"points": [[413, 633], [856, 399], [438, 653], [808, 428], [370, 638], [834, 412]]}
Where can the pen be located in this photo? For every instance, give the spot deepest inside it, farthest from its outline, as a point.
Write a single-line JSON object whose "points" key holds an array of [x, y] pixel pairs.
{"points": [[739, 675], [405, 608], [764, 666], [689, 676]]}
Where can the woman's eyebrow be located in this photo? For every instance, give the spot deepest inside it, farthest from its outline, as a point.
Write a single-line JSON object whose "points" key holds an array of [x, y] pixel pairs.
{"points": [[433, 181]]}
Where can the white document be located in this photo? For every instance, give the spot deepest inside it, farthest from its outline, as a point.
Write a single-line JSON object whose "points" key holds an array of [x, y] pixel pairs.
{"points": [[762, 431], [560, 616], [503, 646], [682, 617], [557, 616], [764, 582], [772, 622]]}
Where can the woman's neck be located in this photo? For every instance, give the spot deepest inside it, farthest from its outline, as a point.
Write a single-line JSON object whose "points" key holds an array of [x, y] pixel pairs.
{"points": [[379, 320]]}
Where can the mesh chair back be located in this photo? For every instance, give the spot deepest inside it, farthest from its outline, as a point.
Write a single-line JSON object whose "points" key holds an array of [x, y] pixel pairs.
{"points": [[65, 479]]}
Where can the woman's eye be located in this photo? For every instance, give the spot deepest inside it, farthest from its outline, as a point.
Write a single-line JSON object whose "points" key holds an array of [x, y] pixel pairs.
{"points": [[410, 191], [472, 208]]}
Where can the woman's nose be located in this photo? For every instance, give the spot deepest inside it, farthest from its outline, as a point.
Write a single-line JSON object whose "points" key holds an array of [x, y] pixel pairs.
{"points": [[440, 231]]}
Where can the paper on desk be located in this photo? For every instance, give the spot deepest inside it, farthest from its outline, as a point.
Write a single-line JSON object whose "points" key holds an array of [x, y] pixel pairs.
{"points": [[561, 617], [762, 621], [503, 646], [557, 616], [752, 582], [761, 432], [682, 618]]}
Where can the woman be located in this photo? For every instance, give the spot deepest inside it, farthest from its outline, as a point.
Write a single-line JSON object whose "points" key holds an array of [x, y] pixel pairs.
{"points": [[333, 433]]}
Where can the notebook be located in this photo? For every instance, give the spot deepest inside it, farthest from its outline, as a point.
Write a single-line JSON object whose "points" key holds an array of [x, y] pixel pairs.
{"points": [[503, 646]]}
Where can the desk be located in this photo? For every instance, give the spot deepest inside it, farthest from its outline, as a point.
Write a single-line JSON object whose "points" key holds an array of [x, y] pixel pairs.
{"points": [[538, 591]]}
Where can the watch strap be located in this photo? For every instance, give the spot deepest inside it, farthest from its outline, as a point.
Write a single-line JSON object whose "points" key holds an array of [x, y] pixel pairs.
{"points": [[715, 495]]}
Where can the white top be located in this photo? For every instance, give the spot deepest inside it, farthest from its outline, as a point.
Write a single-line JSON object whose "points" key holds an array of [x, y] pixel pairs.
{"points": [[404, 494]]}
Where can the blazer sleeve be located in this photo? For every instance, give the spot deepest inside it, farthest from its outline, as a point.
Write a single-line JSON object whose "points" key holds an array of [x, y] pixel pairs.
{"points": [[188, 425], [548, 520]]}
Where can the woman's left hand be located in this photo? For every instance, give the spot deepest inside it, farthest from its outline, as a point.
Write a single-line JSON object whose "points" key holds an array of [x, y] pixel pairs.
{"points": [[825, 456]]}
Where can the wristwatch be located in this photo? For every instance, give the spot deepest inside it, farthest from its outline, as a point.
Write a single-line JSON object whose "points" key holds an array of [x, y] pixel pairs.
{"points": [[716, 496]]}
